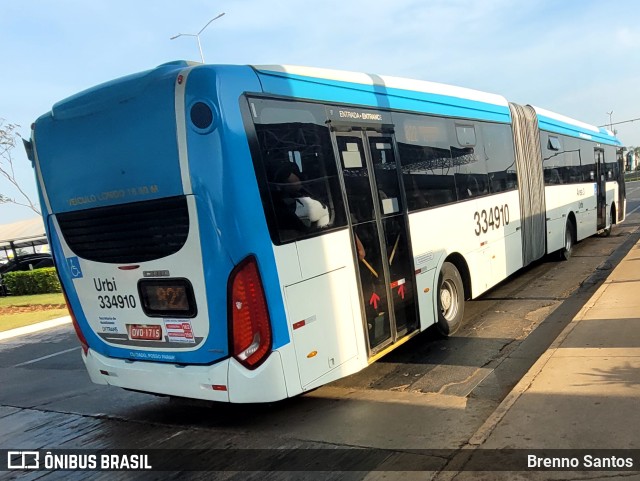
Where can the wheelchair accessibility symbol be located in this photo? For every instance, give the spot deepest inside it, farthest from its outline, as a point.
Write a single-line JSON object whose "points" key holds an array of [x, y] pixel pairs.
{"points": [[74, 267]]}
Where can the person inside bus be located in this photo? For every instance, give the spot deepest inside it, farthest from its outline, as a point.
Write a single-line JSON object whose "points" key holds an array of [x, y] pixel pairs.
{"points": [[284, 185], [295, 207]]}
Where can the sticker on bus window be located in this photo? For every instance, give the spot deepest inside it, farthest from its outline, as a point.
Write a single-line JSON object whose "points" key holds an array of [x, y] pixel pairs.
{"points": [[179, 330], [352, 160], [390, 206]]}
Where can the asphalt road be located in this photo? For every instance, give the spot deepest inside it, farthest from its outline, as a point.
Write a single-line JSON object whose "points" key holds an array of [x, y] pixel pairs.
{"points": [[429, 394]]}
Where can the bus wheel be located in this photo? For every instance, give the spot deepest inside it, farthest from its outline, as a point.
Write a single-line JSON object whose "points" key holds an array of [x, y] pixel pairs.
{"points": [[607, 231], [450, 300], [569, 240]]}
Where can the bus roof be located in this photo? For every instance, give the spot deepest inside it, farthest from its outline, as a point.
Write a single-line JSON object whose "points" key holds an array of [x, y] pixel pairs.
{"points": [[410, 94], [561, 124], [399, 83], [382, 91]]}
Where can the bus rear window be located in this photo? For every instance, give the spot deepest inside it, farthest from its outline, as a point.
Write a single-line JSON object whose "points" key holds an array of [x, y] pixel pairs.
{"points": [[127, 233], [296, 169]]}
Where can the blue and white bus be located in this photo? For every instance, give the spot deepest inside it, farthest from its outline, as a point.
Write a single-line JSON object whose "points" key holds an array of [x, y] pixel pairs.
{"points": [[249, 233]]}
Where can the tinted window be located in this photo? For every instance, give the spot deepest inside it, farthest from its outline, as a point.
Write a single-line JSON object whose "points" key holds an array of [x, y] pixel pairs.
{"points": [[552, 162], [428, 171], [611, 163], [296, 169], [574, 161], [470, 165], [384, 163], [499, 153], [587, 160], [356, 178], [563, 159], [577, 169]]}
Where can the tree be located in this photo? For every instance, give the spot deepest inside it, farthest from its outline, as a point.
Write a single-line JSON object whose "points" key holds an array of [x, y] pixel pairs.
{"points": [[8, 136]]}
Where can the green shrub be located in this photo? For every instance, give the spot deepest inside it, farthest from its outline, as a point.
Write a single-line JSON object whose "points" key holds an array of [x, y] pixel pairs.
{"points": [[37, 281]]}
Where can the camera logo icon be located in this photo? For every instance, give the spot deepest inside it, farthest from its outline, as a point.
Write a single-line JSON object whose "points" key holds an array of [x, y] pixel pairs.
{"points": [[23, 459]]}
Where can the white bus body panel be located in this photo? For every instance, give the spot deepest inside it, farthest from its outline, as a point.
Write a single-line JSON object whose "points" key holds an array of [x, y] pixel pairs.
{"points": [[561, 200], [266, 383], [491, 256], [324, 318], [263, 384], [323, 324]]}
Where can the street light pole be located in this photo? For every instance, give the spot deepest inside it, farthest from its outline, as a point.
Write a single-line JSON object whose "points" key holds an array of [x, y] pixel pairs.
{"points": [[197, 35], [610, 121]]}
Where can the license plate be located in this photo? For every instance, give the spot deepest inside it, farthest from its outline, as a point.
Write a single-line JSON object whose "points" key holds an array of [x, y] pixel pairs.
{"points": [[144, 332]]}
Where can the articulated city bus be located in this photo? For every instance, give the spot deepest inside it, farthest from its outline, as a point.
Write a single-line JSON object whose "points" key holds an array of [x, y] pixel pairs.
{"points": [[249, 233]]}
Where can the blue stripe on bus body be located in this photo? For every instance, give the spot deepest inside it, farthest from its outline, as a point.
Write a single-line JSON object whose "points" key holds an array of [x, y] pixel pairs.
{"points": [[377, 96], [232, 221], [559, 127]]}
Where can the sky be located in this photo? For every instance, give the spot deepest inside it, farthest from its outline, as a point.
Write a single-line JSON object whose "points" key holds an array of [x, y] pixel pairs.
{"points": [[580, 58]]}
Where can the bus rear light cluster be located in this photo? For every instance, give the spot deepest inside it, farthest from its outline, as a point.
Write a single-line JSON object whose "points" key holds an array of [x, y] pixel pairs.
{"points": [[250, 326]]}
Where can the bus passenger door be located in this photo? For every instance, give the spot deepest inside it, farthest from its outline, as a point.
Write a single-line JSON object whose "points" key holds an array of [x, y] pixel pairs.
{"points": [[622, 191], [601, 188], [380, 239]]}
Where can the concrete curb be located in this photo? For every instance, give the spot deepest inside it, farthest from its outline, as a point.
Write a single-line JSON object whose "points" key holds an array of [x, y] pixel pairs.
{"points": [[481, 435], [41, 326], [523, 385], [457, 463]]}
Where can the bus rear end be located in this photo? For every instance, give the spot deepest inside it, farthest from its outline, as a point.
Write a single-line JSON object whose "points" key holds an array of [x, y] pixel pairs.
{"points": [[165, 296]]}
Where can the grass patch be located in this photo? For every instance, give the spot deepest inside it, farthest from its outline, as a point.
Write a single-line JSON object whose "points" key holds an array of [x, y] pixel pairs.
{"points": [[19, 311], [22, 319], [34, 300]]}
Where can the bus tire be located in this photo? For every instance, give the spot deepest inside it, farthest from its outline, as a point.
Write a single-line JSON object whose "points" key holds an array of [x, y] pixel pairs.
{"points": [[450, 300], [569, 241], [607, 231]]}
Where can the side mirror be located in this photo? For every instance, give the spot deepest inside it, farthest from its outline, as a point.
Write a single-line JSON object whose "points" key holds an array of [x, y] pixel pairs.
{"points": [[28, 147]]}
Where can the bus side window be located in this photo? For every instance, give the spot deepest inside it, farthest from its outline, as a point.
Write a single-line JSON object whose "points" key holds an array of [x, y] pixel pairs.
{"points": [[499, 153], [285, 186], [304, 195], [424, 145], [472, 179]]}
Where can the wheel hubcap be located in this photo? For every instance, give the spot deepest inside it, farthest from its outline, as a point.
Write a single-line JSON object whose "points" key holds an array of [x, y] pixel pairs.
{"points": [[449, 300]]}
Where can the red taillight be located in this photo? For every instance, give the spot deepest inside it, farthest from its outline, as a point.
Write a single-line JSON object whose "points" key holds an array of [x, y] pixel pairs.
{"points": [[248, 315], [76, 327]]}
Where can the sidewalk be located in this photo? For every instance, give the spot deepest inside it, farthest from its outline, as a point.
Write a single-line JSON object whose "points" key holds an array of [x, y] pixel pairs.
{"points": [[583, 392], [40, 326]]}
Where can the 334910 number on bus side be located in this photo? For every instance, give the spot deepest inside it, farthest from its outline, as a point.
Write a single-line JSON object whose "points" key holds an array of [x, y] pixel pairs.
{"points": [[492, 218]]}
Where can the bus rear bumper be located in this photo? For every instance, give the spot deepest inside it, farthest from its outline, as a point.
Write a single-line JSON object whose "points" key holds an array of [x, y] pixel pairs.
{"points": [[226, 381]]}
